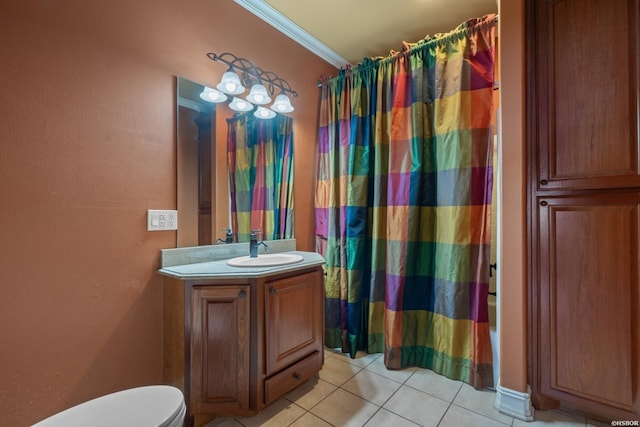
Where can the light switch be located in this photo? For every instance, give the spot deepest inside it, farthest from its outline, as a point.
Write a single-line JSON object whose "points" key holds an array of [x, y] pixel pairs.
{"points": [[158, 220]]}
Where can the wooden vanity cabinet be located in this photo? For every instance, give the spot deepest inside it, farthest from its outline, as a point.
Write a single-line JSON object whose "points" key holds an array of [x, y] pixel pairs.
{"points": [[293, 332], [233, 346]]}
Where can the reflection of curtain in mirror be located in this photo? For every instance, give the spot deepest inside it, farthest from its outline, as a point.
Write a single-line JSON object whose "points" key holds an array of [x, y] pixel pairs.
{"points": [[260, 163]]}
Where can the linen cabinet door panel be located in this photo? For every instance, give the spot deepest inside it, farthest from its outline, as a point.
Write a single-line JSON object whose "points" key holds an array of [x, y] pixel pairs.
{"points": [[589, 302], [293, 319], [220, 342], [587, 77]]}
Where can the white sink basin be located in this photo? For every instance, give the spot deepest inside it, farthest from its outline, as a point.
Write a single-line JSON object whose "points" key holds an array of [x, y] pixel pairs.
{"points": [[265, 260]]}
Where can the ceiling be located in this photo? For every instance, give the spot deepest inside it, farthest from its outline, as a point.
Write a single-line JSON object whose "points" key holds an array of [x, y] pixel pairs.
{"points": [[346, 31]]}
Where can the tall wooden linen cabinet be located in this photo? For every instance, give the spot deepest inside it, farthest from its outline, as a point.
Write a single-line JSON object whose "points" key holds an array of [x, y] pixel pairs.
{"points": [[583, 206]]}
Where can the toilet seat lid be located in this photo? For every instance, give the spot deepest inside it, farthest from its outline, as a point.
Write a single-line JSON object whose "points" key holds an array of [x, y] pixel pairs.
{"points": [[143, 406]]}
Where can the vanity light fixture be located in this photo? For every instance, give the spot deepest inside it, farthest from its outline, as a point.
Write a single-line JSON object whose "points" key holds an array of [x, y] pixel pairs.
{"points": [[264, 113], [212, 95], [239, 104], [264, 85], [282, 104], [258, 95], [230, 84]]}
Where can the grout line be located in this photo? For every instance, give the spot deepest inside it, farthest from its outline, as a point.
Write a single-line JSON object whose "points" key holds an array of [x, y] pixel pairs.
{"points": [[433, 395], [366, 400], [303, 414], [381, 406], [348, 378], [371, 417], [450, 405], [391, 396], [324, 398], [484, 415]]}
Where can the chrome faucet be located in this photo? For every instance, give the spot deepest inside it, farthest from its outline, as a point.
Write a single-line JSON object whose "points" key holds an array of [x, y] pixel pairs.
{"points": [[253, 244]]}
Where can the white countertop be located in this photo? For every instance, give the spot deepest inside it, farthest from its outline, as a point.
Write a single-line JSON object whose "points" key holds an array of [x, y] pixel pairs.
{"points": [[220, 269]]}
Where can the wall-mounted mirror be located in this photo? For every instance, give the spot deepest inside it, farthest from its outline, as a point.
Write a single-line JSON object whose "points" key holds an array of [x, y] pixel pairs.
{"points": [[234, 172], [196, 165]]}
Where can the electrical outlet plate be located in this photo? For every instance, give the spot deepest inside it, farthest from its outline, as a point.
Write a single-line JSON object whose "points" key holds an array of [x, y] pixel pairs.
{"points": [[159, 220]]}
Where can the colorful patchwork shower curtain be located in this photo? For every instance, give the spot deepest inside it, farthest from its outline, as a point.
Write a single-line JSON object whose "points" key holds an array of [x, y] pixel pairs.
{"points": [[260, 164], [403, 202]]}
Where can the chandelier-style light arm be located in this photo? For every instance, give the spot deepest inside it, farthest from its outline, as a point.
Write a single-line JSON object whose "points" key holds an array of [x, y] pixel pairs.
{"points": [[251, 74]]}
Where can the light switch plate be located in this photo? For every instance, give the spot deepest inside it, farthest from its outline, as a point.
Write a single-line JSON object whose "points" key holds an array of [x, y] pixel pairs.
{"points": [[159, 220]]}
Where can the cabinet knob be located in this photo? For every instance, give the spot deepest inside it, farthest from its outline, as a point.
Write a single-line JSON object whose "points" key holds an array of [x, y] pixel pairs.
{"points": [[297, 376], [242, 294], [544, 182], [272, 290], [543, 203]]}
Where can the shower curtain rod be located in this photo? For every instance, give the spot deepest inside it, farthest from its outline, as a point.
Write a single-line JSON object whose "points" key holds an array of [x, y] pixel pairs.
{"points": [[495, 19]]}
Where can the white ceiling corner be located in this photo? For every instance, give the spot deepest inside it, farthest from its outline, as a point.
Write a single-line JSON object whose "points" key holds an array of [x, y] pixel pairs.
{"points": [[283, 24]]}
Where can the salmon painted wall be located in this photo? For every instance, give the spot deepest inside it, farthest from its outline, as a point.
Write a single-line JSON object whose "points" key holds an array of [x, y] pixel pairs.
{"points": [[87, 145], [513, 289]]}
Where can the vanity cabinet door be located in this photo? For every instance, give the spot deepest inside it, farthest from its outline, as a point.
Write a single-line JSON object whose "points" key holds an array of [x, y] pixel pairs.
{"points": [[220, 349], [293, 319]]}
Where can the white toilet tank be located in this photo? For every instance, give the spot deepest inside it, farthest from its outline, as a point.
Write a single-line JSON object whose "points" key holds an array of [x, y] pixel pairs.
{"points": [[157, 406]]}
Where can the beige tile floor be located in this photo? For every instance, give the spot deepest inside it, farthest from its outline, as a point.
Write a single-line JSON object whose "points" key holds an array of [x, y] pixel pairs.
{"points": [[362, 392]]}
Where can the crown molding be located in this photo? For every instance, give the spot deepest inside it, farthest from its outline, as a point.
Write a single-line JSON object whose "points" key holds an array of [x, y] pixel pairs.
{"points": [[283, 24]]}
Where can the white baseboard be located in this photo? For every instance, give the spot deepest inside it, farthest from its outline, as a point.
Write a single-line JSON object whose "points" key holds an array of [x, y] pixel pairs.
{"points": [[514, 403]]}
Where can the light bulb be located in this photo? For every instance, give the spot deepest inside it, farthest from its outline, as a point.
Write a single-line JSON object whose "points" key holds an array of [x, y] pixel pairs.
{"points": [[282, 104], [238, 104], [258, 95], [212, 95], [264, 113], [230, 84]]}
